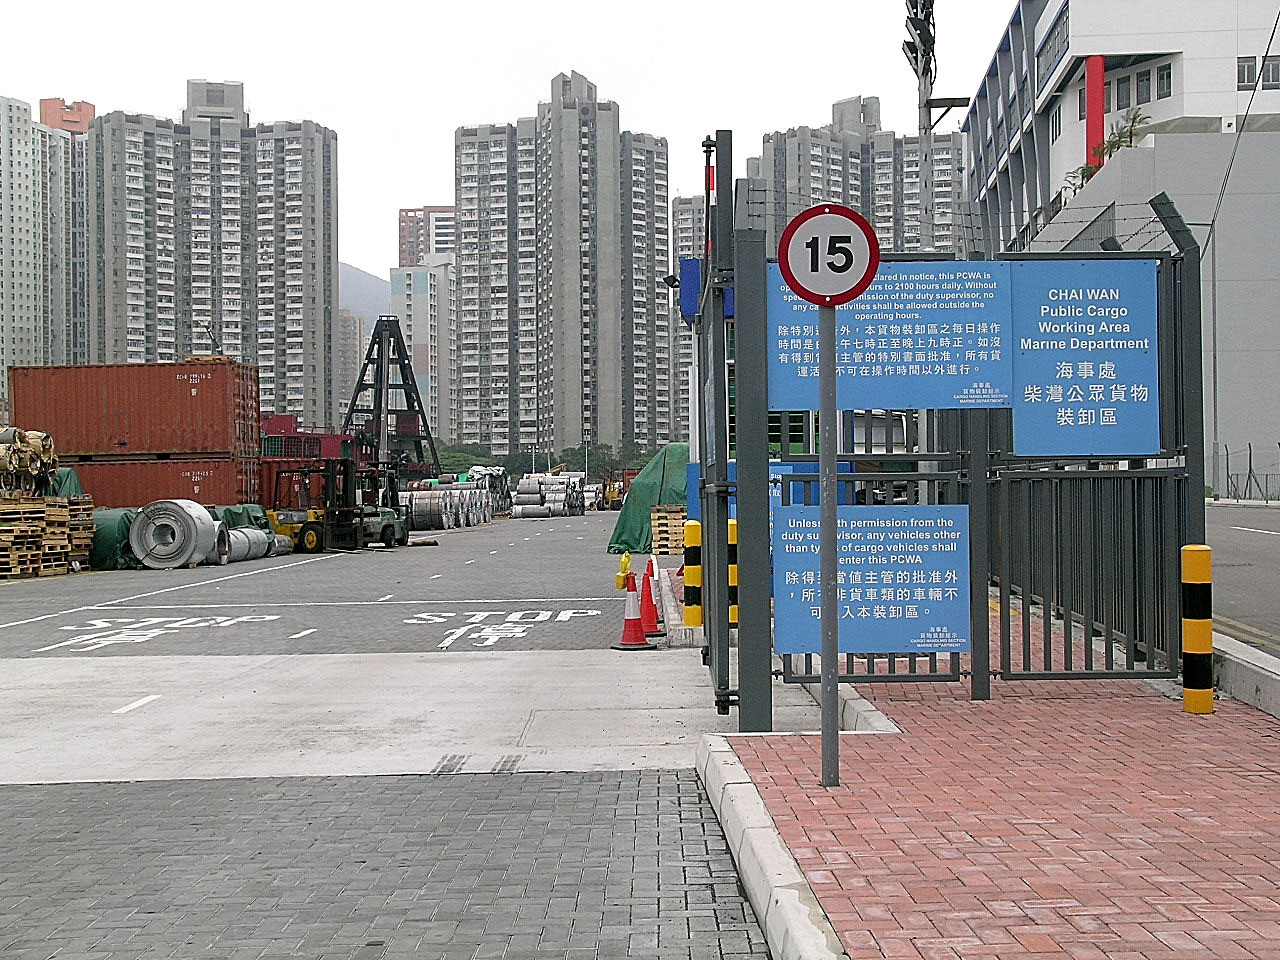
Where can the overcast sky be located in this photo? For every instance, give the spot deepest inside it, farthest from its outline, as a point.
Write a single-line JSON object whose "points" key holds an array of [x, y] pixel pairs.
{"points": [[394, 80]]}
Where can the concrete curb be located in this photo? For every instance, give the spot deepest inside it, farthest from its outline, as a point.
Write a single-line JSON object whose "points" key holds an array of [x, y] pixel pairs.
{"points": [[794, 924], [678, 635], [1244, 673]]}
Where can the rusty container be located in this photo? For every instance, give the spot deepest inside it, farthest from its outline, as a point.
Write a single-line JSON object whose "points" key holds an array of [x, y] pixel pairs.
{"points": [[141, 409], [137, 482]]}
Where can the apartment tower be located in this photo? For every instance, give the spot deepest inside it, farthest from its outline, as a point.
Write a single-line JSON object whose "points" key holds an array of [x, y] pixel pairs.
{"points": [[209, 235], [426, 230]]}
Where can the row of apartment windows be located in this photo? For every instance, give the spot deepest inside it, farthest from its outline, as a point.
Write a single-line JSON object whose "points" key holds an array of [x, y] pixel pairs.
{"points": [[1129, 91], [1247, 73]]}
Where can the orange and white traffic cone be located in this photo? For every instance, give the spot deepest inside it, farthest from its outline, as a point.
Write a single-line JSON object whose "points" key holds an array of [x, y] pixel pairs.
{"points": [[632, 631], [648, 609]]}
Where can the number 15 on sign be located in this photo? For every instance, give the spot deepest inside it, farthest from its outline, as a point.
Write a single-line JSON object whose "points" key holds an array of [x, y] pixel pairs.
{"points": [[829, 254]]}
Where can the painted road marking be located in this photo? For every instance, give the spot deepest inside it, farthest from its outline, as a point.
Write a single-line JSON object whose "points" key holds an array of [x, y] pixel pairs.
{"points": [[304, 633], [471, 561], [153, 593], [360, 603], [436, 576], [137, 703], [492, 552], [1251, 634], [1271, 533], [387, 597]]}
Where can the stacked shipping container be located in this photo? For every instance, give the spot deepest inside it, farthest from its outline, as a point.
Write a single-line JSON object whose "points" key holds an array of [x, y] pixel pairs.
{"points": [[142, 432]]}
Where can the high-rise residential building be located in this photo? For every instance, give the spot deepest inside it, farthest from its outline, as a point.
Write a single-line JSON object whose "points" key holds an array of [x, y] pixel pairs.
{"points": [[424, 297], [74, 118], [1189, 97], [210, 235], [426, 230], [688, 239], [497, 322], [853, 162], [57, 114], [563, 326], [35, 242], [348, 354]]}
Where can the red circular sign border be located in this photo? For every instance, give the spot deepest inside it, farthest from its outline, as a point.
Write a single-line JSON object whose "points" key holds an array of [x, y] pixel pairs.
{"points": [[873, 245]]}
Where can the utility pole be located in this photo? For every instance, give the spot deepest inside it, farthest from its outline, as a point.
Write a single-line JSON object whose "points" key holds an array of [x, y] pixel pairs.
{"points": [[920, 54]]}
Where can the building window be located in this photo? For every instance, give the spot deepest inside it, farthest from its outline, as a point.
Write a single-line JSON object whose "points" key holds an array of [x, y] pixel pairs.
{"points": [[1123, 87], [1143, 86], [1164, 81], [1055, 123], [1084, 104], [1246, 72], [1271, 73], [1106, 97], [1054, 46]]}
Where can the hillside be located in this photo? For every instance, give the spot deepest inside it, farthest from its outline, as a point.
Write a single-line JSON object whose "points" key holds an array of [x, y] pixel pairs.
{"points": [[362, 293]]}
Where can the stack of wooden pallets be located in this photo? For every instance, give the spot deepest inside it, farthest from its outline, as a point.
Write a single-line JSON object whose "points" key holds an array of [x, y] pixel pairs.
{"points": [[21, 538], [55, 558], [81, 509], [668, 530]]}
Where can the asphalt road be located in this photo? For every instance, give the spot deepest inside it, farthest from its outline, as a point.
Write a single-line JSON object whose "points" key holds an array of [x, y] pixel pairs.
{"points": [[1246, 572], [427, 752]]}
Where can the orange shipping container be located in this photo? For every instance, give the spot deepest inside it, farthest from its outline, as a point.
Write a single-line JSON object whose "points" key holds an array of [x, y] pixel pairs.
{"points": [[135, 483], [123, 409]]}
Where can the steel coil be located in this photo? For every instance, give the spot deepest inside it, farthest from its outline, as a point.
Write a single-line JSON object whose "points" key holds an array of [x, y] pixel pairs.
{"points": [[221, 547], [172, 533], [248, 543], [283, 545]]}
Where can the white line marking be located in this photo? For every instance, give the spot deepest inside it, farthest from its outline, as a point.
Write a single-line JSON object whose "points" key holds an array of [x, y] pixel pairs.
{"points": [[387, 597], [436, 576], [471, 561], [137, 703], [186, 586], [304, 633], [1272, 533], [510, 544], [492, 552], [355, 603]]}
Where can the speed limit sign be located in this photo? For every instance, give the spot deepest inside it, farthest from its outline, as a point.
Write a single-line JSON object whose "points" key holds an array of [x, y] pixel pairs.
{"points": [[829, 254]]}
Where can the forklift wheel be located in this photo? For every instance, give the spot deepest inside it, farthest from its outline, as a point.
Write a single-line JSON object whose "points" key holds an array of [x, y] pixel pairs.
{"points": [[388, 537], [311, 538], [403, 540]]}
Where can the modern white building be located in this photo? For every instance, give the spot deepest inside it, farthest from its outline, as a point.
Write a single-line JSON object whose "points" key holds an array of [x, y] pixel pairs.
{"points": [[1065, 76], [563, 326], [424, 298], [35, 242], [851, 161], [211, 235]]}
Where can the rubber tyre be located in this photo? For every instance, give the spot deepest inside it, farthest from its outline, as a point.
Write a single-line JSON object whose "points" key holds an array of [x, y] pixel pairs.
{"points": [[403, 541], [388, 536], [311, 538]]}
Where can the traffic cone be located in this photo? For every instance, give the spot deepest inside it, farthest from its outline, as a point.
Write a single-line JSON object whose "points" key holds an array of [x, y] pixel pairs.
{"points": [[633, 632], [648, 609]]}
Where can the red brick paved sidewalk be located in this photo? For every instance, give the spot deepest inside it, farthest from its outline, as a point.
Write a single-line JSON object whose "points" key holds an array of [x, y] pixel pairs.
{"points": [[1058, 820]]}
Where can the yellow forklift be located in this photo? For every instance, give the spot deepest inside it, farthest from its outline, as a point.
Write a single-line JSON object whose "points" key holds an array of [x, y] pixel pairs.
{"points": [[316, 506]]}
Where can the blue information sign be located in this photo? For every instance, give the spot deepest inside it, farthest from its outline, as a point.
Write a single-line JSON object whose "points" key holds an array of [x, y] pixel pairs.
{"points": [[1071, 345], [922, 336], [903, 579], [1085, 358]]}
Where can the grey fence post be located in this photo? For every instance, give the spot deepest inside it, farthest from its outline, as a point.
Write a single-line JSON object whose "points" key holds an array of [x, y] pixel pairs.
{"points": [[755, 637]]}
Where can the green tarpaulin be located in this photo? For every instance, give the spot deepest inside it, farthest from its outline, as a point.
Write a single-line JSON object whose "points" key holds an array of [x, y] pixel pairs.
{"points": [[661, 483], [66, 484], [111, 550], [242, 515]]}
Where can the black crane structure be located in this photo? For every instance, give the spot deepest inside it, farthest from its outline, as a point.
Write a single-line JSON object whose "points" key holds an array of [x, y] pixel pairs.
{"points": [[389, 395]]}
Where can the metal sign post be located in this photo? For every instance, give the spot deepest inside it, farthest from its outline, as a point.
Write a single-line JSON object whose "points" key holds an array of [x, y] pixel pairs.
{"points": [[829, 255]]}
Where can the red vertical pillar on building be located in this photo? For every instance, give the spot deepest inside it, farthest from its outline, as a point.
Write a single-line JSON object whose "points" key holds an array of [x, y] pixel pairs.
{"points": [[1095, 116]]}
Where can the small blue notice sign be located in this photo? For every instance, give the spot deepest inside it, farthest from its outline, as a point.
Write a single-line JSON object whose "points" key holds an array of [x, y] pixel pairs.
{"points": [[922, 336], [903, 579]]}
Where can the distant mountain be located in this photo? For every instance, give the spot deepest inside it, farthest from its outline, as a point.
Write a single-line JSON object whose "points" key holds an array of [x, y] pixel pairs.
{"points": [[362, 293]]}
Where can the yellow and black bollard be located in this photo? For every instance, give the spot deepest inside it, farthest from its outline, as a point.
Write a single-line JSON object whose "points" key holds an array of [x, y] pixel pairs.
{"points": [[733, 573], [1197, 628], [692, 573]]}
